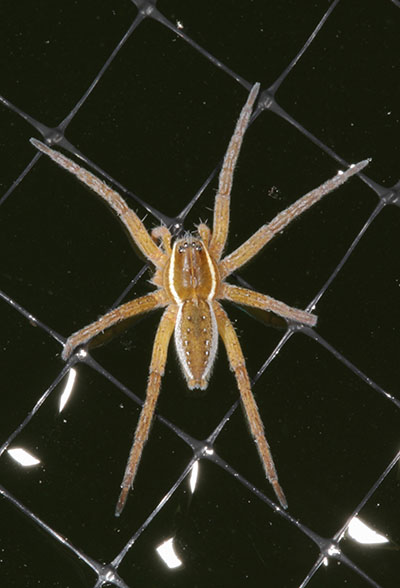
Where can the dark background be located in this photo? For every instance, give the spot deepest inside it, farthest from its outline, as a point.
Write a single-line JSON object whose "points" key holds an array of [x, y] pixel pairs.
{"points": [[159, 121]]}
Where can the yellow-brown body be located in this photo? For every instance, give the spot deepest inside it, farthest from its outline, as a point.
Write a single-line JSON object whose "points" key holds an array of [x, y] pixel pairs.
{"points": [[192, 280]]}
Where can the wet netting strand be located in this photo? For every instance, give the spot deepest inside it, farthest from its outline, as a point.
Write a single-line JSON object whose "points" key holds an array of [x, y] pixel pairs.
{"points": [[146, 95]]}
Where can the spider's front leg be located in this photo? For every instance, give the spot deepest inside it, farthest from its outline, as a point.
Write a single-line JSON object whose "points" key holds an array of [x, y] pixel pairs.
{"points": [[260, 238], [130, 219], [237, 363], [157, 367], [222, 199]]}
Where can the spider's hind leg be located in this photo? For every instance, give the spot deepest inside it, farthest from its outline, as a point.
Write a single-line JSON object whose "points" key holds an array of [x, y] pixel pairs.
{"points": [[157, 366], [237, 363]]}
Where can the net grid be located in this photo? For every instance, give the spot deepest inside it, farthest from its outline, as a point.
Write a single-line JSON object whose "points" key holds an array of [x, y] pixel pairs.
{"points": [[57, 276]]}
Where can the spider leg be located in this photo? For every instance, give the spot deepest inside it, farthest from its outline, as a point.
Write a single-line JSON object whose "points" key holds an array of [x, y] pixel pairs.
{"points": [[261, 237], [222, 199], [125, 311], [157, 365], [135, 227], [163, 234], [256, 299], [205, 233], [237, 363]]}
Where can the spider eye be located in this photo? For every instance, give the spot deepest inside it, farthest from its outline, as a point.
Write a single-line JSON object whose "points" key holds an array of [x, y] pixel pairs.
{"points": [[182, 247]]}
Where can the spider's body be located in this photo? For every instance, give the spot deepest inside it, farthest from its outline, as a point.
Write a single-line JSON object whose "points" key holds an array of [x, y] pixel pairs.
{"points": [[190, 280]]}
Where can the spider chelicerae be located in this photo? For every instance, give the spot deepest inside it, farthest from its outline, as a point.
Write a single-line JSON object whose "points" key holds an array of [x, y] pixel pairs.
{"points": [[190, 274]]}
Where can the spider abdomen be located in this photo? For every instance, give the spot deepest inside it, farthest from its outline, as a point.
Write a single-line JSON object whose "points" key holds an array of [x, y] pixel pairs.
{"points": [[196, 339]]}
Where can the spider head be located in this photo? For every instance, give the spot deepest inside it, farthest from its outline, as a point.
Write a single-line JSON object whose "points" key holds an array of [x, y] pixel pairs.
{"points": [[192, 274], [189, 243]]}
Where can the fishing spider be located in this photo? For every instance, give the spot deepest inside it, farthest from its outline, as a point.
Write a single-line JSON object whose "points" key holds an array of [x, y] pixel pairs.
{"points": [[190, 278]]}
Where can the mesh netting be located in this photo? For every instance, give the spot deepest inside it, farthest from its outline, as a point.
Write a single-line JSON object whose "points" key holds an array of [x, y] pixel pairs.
{"points": [[148, 94]]}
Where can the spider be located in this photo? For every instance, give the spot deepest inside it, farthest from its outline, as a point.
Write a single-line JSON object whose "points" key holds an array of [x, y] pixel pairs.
{"points": [[190, 274]]}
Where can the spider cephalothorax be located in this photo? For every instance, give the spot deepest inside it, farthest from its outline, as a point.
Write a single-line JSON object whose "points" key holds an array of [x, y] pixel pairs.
{"points": [[190, 280]]}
